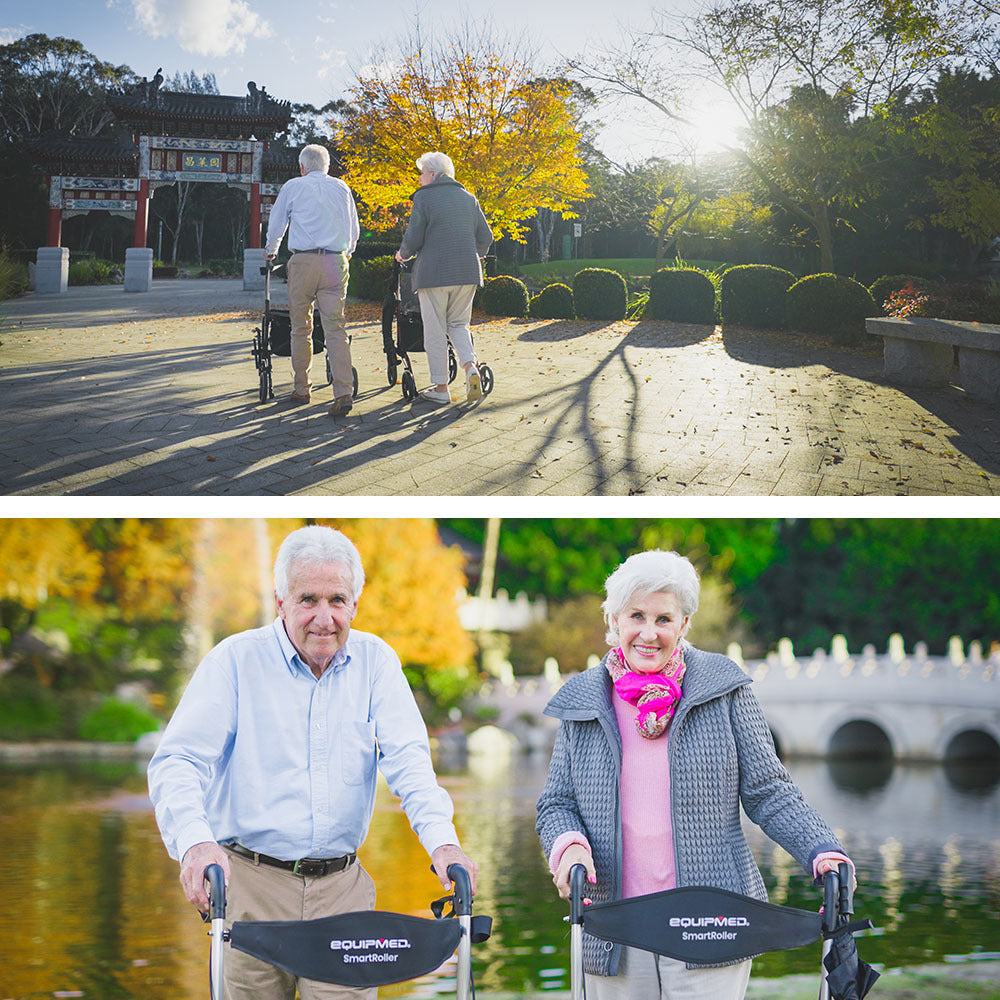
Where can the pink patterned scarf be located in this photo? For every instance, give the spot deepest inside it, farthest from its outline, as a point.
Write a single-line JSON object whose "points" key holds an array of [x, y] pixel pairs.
{"points": [[654, 695]]}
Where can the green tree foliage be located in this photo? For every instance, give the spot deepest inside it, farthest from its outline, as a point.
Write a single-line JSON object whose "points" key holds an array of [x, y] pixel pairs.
{"points": [[926, 578], [46, 84]]}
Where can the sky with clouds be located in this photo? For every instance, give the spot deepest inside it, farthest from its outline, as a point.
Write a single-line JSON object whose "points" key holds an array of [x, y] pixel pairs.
{"points": [[308, 51]]}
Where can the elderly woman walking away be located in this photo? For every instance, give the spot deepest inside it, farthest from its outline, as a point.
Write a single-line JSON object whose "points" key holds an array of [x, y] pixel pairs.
{"points": [[448, 234], [657, 748]]}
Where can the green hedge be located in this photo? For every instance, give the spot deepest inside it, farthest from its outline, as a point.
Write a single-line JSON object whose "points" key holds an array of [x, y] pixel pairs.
{"points": [[115, 721], [504, 296], [599, 294], [552, 302], [371, 249], [830, 305], [91, 272], [754, 295], [682, 294], [369, 279], [13, 275], [881, 288]]}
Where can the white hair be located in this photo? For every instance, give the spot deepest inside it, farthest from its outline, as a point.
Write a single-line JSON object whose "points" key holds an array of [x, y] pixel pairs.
{"points": [[652, 572], [316, 544], [315, 157], [437, 163]]}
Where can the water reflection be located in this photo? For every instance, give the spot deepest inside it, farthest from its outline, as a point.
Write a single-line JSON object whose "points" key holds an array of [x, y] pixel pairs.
{"points": [[92, 902]]}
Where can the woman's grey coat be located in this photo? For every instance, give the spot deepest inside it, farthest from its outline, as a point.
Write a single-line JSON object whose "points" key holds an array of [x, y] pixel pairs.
{"points": [[721, 754], [448, 233]]}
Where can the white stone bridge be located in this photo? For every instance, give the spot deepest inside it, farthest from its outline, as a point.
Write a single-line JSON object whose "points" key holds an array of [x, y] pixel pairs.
{"points": [[898, 704]]}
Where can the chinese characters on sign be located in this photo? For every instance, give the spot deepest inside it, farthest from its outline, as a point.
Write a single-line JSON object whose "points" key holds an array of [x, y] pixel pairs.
{"points": [[202, 161]]}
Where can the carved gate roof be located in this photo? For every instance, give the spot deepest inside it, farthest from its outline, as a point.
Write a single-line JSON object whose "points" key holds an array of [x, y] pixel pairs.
{"points": [[150, 111], [113, 155]]}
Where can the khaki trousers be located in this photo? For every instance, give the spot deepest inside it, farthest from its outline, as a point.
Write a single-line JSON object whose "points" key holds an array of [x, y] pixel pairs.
{"points": [[320, 279], [645, 976], [262, 892], [446, 313]]}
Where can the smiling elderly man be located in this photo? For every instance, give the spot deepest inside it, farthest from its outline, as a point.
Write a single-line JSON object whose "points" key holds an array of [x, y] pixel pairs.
{"points": [[268, 766]]}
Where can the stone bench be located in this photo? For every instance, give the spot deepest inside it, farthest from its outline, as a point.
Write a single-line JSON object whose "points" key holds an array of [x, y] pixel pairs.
{"points": [[922, 352]]}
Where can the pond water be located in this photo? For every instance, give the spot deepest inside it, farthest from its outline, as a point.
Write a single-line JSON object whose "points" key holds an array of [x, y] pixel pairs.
{"points": [[91, 905]]}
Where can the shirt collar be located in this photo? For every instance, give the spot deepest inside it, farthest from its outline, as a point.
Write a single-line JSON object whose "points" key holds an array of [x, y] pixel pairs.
{"points": [[295, 663]]}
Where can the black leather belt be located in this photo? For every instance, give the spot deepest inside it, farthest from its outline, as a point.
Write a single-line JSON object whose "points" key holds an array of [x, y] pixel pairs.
{"points": [[320, 250], [312, 867]]}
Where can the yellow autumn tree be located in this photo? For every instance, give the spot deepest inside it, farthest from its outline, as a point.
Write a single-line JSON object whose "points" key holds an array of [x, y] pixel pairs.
{"points": [[46, 557], [513, 136], [412, 582]]}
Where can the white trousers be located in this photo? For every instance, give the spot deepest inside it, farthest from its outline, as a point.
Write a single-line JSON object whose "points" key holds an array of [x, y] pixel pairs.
{"points": [[645, 976], [446, 313]]}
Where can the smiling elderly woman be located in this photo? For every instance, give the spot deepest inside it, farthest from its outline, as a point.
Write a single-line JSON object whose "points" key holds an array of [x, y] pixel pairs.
{"points": [[657, 748]]}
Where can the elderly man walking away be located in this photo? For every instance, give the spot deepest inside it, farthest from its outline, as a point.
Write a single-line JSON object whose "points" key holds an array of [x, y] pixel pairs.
{"points": [[269, 764], [322, 222], [448, 234]]}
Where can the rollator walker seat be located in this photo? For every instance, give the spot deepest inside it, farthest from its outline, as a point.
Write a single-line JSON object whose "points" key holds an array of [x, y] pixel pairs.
{"points": [[361, 949], [708, 926]]}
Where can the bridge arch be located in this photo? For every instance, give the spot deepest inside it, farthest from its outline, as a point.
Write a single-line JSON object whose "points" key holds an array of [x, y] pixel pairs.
{"points": [[850, 732], [972, 743]]}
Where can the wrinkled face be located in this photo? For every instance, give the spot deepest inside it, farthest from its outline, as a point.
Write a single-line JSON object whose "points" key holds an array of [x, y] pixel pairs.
{"points": [[318, 611], [649, 628]]}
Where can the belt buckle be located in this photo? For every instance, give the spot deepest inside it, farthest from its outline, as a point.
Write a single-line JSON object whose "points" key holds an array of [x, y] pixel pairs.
{"points": [[309, 867]]}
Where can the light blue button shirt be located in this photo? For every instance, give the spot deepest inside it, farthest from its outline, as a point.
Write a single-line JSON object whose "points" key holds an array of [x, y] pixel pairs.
{"points": [[261, 752]]}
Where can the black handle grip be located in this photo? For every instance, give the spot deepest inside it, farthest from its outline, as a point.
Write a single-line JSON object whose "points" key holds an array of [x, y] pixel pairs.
{"points": [[462, 888], [216, 880], [846, 901], [831, 900], [577, 881]]}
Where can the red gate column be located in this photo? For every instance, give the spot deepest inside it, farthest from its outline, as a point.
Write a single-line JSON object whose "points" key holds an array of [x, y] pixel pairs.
{"points": [[255, 216], [55, 227], [141, 213]]}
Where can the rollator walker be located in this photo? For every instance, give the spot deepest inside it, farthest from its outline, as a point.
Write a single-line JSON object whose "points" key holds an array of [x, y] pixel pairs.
{"points": [[362, 949], [713, 926]]}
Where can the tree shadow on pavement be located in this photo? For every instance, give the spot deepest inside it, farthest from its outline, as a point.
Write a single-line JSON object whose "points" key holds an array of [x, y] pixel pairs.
{"points": [[976, 425]]}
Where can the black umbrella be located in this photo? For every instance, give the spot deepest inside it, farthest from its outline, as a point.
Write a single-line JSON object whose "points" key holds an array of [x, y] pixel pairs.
{"points": [[847, 976]]}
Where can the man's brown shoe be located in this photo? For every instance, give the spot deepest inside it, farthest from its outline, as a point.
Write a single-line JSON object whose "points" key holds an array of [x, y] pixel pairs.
{"points": [[341, 406], [294, 399]]}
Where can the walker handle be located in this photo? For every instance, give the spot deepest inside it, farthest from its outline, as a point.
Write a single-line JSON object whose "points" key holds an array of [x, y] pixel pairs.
{"points": [[831, 900], [577, 879], [216, 880], [846, 901], [462, 887]]}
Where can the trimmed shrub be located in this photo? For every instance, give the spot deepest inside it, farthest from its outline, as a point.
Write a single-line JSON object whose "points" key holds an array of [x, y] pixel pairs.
{"points": [[505, 296], [552, 302], [115, 721], [882, 288], [369, 279], [599, 294], [968, 302], [13, 275], [369, 250], [830, 305], [682, 294], [91, 272], [754, 295]]}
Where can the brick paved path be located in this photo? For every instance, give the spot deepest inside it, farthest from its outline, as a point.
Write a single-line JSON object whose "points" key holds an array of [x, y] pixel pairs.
{"points": [[110, 393]]}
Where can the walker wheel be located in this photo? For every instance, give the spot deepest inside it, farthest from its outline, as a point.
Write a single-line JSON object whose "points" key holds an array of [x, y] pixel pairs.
{"points": [[354, 378], [409, 386], [452, 364], [486, 377]]}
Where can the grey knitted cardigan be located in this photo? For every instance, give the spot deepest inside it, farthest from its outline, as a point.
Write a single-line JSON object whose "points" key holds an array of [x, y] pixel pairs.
{"points": [[448, 233], [721, 754]]}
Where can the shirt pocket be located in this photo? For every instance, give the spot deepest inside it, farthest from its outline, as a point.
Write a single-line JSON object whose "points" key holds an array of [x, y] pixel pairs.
{"points": [[357, 752]]}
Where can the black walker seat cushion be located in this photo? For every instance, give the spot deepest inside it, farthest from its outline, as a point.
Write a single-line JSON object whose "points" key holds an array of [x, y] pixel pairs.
{"points": [[280, 338], [367, 948], [702, 925]]}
